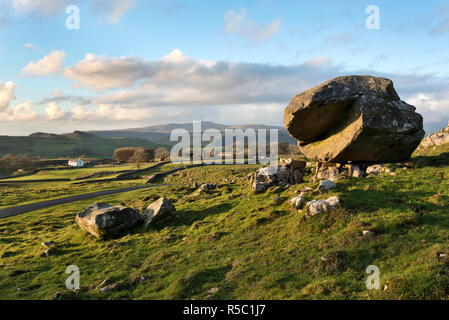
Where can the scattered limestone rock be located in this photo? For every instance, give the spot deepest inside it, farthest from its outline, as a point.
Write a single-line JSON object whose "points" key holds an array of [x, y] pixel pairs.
{"points": [[48, 244], [109, 287], [208, 186], [435, 139], [298, 202], [105, 221], [160, 210], [315, 207], [49, 251], [259, 187], [325, 186], [325, 172], [375, 169], [288, 172]]}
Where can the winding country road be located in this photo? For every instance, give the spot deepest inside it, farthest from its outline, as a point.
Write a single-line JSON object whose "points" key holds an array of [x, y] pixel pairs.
{"points": [[13, 211]]}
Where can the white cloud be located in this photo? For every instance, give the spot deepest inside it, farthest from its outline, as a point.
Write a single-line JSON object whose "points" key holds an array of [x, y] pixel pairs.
{"points": [[6, 94], [115, 10], [31, 47], [53, 111], [433, 106], [99, 72], [21, 112], [47, 66], [179, 88], [239, 24], [41, 7]]}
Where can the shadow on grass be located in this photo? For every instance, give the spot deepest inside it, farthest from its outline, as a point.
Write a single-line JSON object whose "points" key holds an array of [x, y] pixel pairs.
{"points": [[432, 161], [188, 217], [194, 282]]}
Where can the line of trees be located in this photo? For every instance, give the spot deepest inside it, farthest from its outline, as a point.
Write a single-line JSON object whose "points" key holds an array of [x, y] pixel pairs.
{"points": [[139, 155], [11, 163]]}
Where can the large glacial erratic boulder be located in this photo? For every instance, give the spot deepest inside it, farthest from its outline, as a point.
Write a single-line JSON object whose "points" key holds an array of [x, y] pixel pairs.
{"points": [[105, 221], [354, 118]]}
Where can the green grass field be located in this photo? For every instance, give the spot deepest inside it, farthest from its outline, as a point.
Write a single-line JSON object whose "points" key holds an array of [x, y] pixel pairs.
{"points": [[230, 243], [74, 174]]}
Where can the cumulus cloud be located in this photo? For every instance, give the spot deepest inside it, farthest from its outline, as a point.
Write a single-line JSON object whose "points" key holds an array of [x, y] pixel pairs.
{"points": [[239, 24], [53, 111], [100, 72], [433, 106], [115, 10], [177, 87], [6, 94], [20, 112], [47, 66]]}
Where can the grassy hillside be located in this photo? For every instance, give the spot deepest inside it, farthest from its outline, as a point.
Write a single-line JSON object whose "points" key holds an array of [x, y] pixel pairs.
{"points": [[231, 243], [73, 145]]}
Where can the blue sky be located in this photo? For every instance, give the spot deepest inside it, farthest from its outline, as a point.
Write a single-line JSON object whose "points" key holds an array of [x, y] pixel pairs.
{"points": [[153, 62]]}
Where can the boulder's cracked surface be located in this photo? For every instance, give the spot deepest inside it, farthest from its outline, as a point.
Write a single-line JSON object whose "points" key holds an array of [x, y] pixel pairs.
{"points": [[354, 118]]}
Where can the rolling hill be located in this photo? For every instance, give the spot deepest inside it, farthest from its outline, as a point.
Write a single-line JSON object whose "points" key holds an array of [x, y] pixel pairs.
{"points": [[160, 134], [49, 146]]}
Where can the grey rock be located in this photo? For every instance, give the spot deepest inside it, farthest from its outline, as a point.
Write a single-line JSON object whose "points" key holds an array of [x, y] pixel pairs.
{"points": [[354, 118], [298, 202], [315, 207], [159, 211], [105, 221], [259, 187], [375, 169], [326, 185]]}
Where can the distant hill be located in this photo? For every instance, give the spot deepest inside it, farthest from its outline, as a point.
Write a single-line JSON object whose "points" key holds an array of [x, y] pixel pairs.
{"points": [[50, 146], [160, 134]]}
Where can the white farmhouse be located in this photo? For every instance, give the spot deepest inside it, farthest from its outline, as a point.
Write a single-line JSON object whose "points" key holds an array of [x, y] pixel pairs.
{"points": [[76, 163]]}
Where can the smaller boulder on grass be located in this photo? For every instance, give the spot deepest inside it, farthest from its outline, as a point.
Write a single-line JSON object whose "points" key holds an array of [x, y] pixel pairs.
{"points": [[105, 221], [159, 211], [325, 186], [315, 207], [298, 202]]}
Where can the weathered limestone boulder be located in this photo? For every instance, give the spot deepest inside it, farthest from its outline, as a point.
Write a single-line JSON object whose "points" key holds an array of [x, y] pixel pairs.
{"points": [[160, 210], [105, 221], [315, 207], [354, 118]]}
